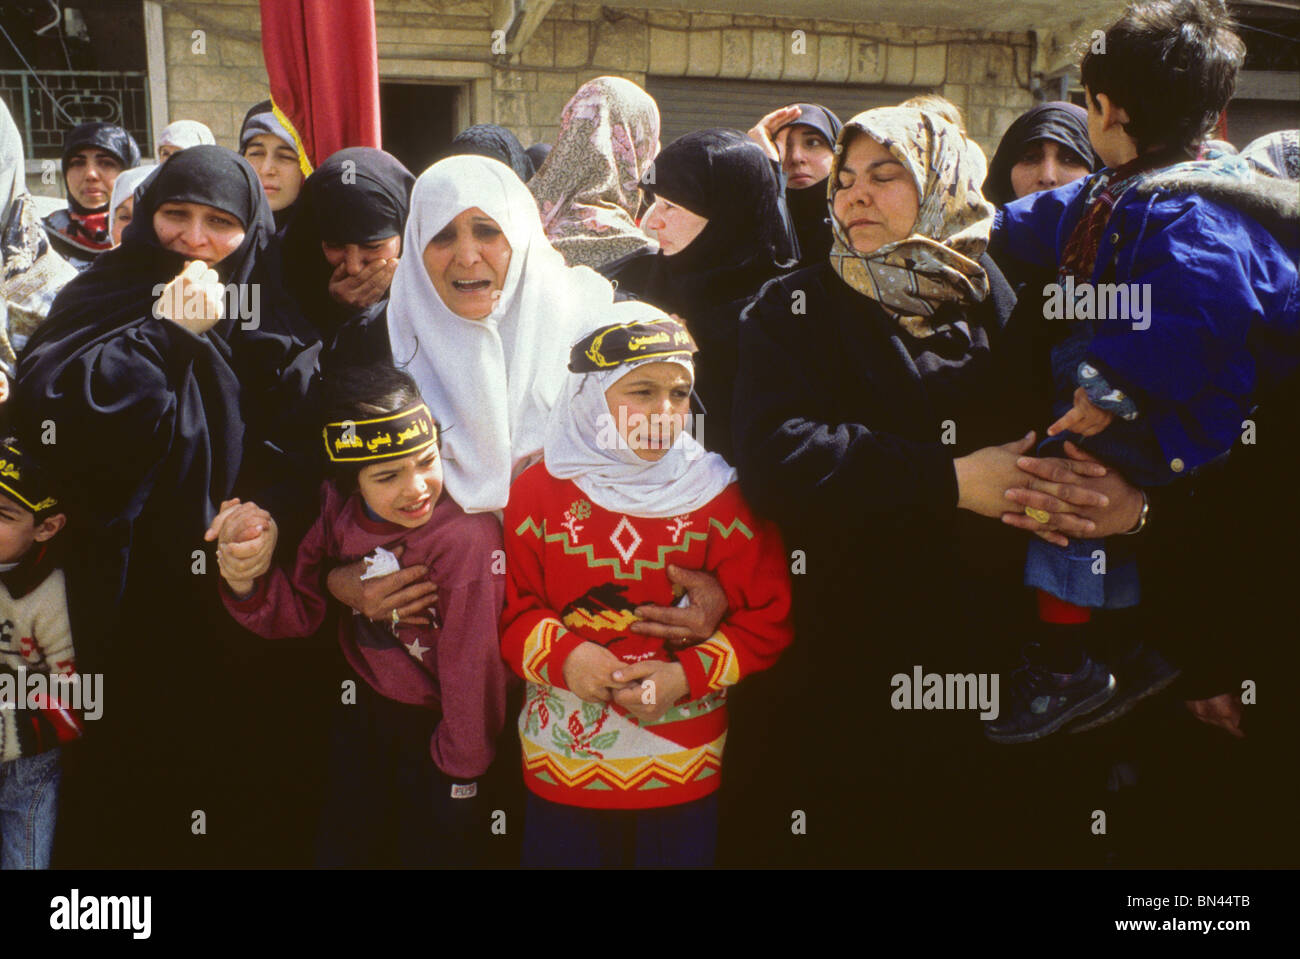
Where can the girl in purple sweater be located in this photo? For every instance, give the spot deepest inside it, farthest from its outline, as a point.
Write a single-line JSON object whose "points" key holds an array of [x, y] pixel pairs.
{"points": [[412, 739]]}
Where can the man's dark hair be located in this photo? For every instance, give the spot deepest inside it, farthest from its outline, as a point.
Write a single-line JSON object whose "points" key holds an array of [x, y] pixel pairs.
{"points": [[1172, 65], [363, 393]]}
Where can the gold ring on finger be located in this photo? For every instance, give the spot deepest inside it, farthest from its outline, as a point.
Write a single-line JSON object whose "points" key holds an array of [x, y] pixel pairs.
{"points": [[1040, 515]]}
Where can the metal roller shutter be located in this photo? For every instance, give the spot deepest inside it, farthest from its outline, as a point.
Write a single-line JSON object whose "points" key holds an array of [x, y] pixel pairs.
{"points": [[693, 103]]}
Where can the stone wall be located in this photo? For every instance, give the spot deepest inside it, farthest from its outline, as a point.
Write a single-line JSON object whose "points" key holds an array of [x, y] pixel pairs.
{"points": [[978, 71], [450, 40]]}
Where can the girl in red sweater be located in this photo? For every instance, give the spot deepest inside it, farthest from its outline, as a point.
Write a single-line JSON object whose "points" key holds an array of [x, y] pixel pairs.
{"points": [[622, 735]]}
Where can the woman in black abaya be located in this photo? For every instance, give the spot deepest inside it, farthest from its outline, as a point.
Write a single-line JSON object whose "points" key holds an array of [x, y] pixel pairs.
{"points": [[137, 418], [723, 232]]}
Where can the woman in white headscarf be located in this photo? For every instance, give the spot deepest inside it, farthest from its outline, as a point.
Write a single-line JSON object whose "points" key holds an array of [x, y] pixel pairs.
{"points": [[482, 313], [182, 135]]}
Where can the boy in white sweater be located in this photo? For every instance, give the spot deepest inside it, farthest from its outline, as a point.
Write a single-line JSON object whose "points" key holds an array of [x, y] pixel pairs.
{"points": [[37, 667]]}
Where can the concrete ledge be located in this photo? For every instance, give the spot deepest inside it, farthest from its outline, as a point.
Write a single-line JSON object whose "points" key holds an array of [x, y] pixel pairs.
{"points": [[421, 69]]}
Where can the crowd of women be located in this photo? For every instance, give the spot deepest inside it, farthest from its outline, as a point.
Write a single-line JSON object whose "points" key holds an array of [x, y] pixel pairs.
{"points": [[310, 656]]}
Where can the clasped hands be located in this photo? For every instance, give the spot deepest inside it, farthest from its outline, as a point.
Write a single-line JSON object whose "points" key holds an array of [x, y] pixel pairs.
{"points": [[1081, 497], [645, 689], [246, 536]]}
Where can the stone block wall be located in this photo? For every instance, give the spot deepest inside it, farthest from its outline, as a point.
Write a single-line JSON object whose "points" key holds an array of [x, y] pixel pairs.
{"points": [[982, 72]]}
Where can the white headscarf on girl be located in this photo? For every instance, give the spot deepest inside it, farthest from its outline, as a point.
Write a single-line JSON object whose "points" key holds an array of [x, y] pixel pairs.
{"points": [[491, 382], [128, 183], [578, 445]]}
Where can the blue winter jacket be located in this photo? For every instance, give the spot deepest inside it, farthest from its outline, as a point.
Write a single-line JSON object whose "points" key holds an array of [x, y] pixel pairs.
{"points": [[1220, 256]]}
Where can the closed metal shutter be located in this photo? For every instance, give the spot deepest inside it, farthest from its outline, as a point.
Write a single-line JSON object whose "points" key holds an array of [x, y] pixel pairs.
{"points": [[695, 103]]}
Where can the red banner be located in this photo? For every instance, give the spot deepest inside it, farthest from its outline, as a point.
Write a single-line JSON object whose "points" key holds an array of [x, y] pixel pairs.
{"points": [[323, 62]]}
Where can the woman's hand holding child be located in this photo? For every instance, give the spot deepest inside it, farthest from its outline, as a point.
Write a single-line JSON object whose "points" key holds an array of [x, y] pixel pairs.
{"points": [[246, 536], [408, 591]]}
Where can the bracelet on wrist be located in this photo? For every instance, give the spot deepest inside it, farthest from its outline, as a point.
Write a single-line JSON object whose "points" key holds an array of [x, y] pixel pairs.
{"points": [[1142, 516]]}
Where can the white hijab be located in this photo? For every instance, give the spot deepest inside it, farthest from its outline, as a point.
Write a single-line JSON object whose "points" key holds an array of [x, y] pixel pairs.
{"points": [[578, 444], [127, 184], [185, 134], [491, 382]]}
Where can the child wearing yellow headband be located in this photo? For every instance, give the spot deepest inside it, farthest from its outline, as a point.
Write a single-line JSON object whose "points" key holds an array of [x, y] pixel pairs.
{"points": [[414, 737]]}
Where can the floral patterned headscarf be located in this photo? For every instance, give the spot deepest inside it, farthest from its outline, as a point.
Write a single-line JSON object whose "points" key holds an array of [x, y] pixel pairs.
{"points": [[588, 188], [938, 262]]}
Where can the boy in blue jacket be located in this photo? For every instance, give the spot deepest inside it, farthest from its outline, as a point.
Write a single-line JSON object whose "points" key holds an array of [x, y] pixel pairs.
{"points": [[1176, 302]]}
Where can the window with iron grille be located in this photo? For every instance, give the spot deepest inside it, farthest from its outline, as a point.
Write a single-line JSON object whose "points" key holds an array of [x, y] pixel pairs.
{"points": [[62, 64]]}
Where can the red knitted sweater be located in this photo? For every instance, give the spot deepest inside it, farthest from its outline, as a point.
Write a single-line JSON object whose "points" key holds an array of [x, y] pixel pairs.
{"points": [[575, 572]]}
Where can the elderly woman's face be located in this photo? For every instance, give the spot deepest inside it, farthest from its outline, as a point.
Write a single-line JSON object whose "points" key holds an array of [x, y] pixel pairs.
{"points": [[876, 200], [467, 261]]}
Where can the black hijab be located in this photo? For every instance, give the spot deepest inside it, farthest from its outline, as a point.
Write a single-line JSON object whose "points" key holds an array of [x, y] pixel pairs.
{"points": [[809, 208], [103, 322], [723, 176], [108, 137], [1062, 123], [150, 435], [358, 195], [490, 140]]}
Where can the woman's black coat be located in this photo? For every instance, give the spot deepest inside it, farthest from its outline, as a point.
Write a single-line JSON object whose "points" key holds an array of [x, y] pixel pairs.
{"points": [[845, 431]]}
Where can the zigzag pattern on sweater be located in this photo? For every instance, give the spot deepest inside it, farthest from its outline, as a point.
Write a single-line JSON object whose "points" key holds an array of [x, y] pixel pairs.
{"points": [[624, 775], [639, 566]]}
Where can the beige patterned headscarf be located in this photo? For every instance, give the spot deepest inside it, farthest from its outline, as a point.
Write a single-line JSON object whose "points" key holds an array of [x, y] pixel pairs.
{"points": [[938, 263], [588, 189]]}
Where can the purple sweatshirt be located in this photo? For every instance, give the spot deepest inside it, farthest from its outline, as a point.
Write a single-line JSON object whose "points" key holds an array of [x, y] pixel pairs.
{"points": [[456, 669]]}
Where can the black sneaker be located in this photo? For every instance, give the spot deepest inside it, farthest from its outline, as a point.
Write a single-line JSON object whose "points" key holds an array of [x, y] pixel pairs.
{"points": [[1042, 701], [1139, 675]]}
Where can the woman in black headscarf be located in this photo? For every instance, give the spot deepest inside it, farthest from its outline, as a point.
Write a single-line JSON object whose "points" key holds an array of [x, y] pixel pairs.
{"points": [[93, 155], [340, 253], [137, 418], [1047, 146], [801, 138], [325, 282], [723, 232], [491, 140]]}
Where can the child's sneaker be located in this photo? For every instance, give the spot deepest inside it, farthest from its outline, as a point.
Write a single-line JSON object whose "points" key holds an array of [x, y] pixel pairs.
{"points": [[1043, 701], [1142, 673]]}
